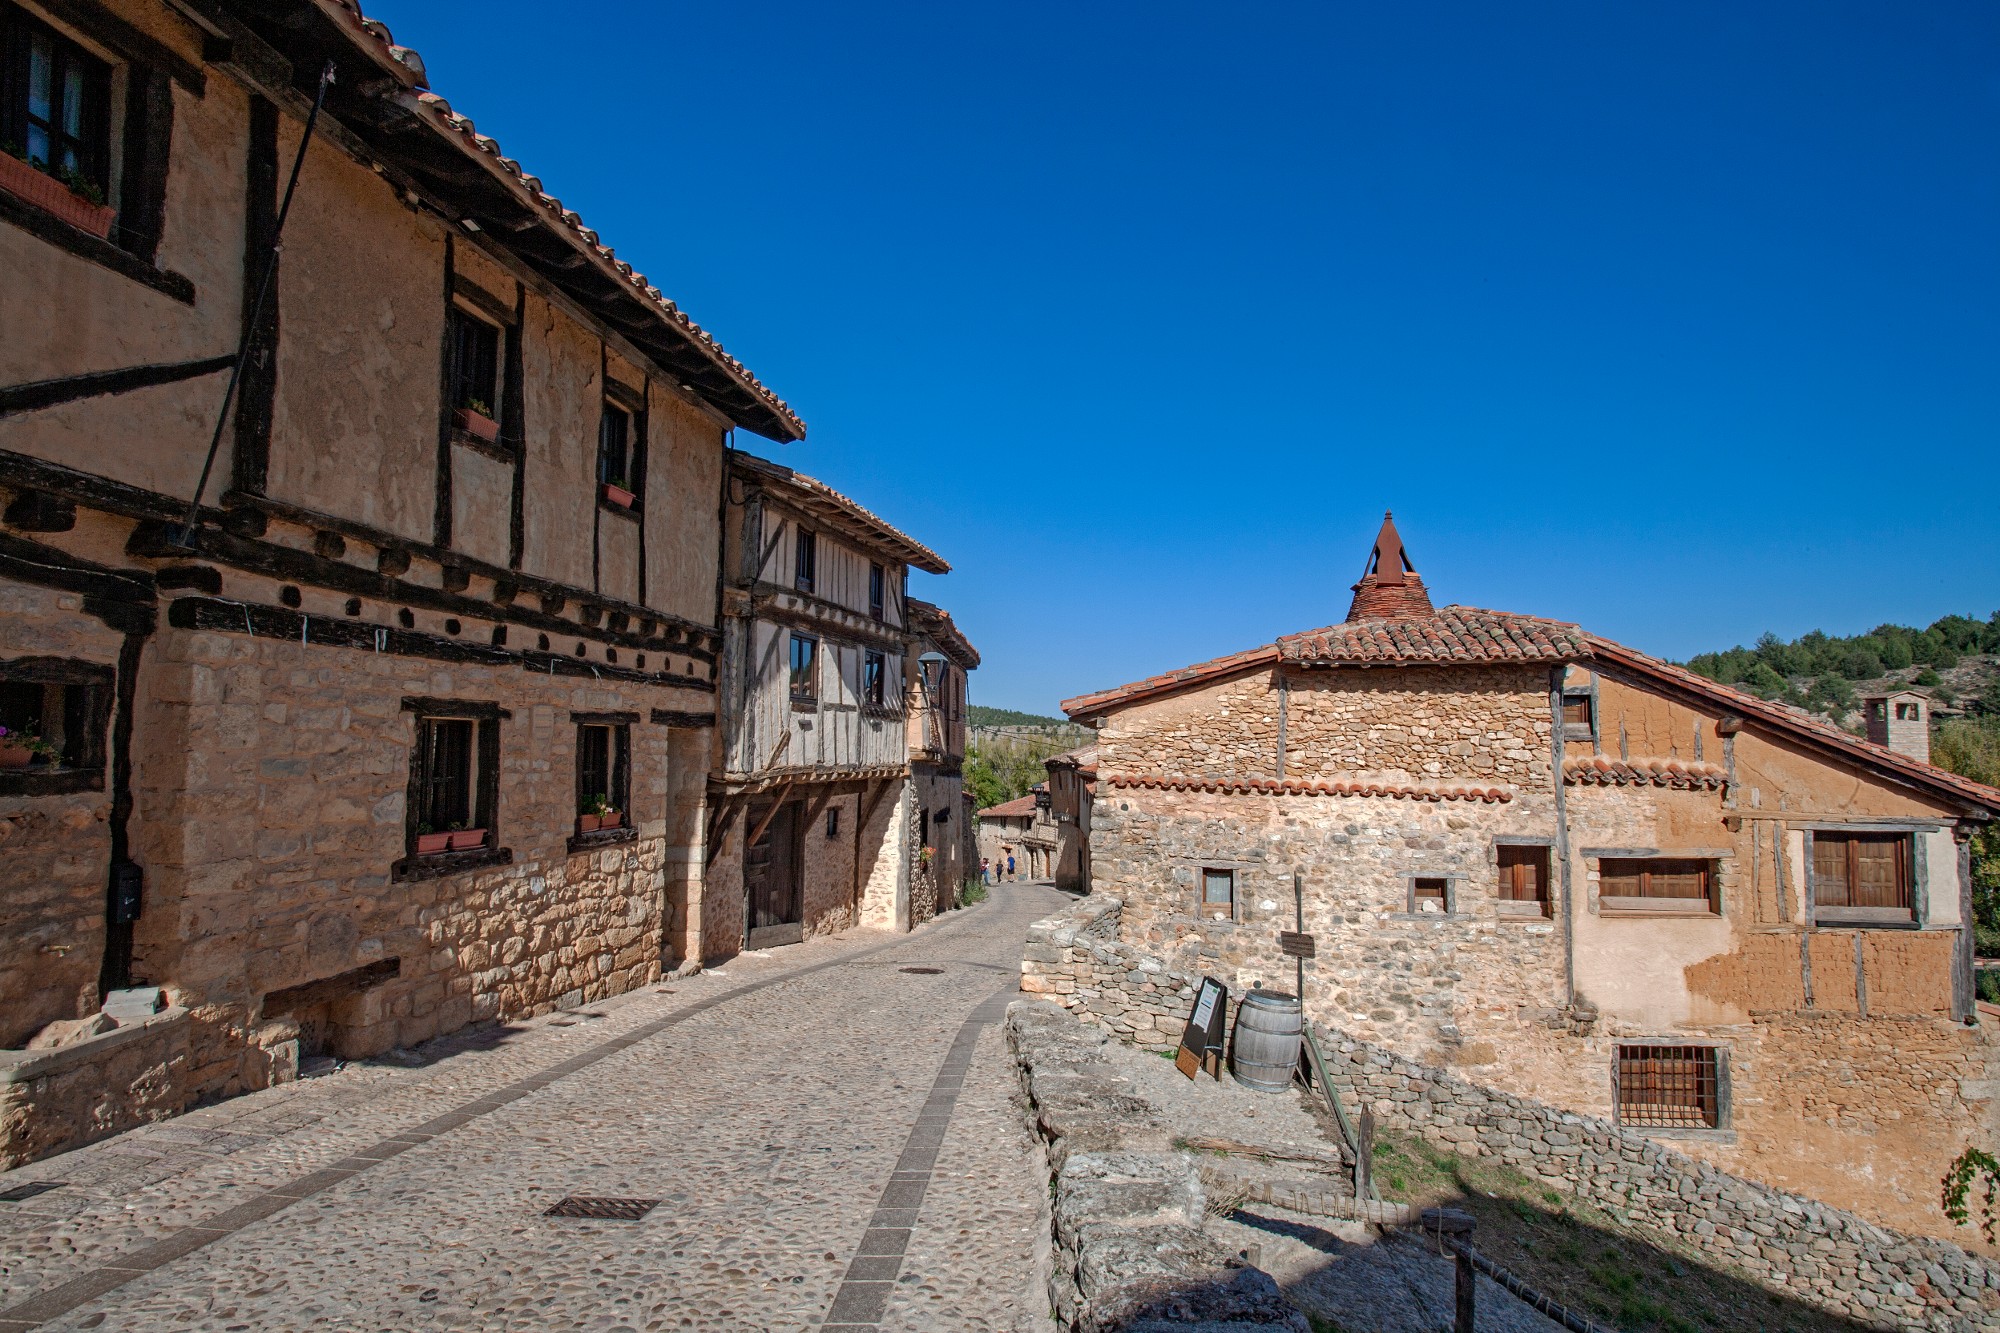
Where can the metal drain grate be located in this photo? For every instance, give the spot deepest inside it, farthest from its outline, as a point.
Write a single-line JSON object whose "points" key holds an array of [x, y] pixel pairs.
{"points": [[22, 1193], [922, 971], [610, 1210]]}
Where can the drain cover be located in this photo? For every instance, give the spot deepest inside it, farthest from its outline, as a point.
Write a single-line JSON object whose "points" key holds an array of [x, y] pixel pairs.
{"points": [[923, 971], [22, 1193], [613, 1210]]}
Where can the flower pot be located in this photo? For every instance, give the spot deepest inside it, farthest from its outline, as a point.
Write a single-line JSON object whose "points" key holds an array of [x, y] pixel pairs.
{"points": [[587, 823], [619, 496], [52, 196], [465, 840], [616, 820], [476, 424], [428, 843], [15, 756]]}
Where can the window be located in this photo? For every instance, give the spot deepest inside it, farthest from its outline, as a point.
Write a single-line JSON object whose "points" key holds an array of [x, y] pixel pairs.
{"points": [[805, 657], [1656, 884], [55, 102], [1579, 717], [833, 821], [454, 782], [55, 725], [1862, 877], [1429, 893], [614, 447], [873, 670], [806, 560], [877, 606], [603, 776], [1669, 1087], [1906, 713], [1218, 895], [475, 364], [1524, 879]]}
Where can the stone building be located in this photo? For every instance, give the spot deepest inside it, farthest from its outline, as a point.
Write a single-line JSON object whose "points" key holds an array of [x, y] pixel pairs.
{"points": [[1570, 871], [411, 726], [1072, 787], [1004, 830], [947, 845], [833, 766], [1900, 719]]}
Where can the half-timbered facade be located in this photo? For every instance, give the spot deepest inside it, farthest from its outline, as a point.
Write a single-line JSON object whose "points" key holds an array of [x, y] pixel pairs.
{"points": [[814, 815], [1575, 872], [410, 725]]}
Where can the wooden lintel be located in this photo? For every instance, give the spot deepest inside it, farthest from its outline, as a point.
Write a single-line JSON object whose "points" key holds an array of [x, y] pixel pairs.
{"points": [[719, 824], [777, 803]]}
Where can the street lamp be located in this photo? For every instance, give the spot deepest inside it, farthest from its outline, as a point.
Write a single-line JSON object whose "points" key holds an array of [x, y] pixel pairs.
{"points": [[932, 667]]}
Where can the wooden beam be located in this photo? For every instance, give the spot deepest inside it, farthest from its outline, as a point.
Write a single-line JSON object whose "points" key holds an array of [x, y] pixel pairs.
{"points": [[718, 827], [874, 800], [777, 803]]}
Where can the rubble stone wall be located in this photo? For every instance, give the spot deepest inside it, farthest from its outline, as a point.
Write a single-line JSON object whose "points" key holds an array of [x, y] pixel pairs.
{"points": [[1809, 1250]]}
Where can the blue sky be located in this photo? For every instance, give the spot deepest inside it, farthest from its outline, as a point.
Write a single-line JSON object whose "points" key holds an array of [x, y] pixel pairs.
{"points": [[1681, 320]]}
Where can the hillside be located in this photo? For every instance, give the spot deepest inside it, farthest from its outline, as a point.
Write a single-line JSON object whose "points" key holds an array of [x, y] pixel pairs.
{"points": [[1955, 656], [980, 717]]}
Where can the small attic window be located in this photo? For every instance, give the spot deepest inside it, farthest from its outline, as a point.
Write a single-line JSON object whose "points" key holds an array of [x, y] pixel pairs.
{"points": [[1908, 713]]}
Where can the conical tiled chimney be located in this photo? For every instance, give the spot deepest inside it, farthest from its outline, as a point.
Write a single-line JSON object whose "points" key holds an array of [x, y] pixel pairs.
{"points": [[1390, 588]]}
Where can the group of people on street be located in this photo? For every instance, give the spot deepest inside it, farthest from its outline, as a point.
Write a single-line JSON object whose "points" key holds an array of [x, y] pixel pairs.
{"points": [[989, 870]]}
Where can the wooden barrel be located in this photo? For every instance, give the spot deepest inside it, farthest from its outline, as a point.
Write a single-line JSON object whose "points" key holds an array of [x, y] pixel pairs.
{"points": [[1265, 1051]]}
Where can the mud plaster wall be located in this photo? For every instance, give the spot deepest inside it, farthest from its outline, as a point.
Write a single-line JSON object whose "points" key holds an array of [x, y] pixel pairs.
{"points": [[56, 849], [564, 396], [618, 554], [683, 495], [67, 316], [482, 499], [360, 346], [271, 785]]}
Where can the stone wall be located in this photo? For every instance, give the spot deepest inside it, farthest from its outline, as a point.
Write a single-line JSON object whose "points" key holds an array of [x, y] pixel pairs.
{"points": [[56, 1099], [1792, 1244]]}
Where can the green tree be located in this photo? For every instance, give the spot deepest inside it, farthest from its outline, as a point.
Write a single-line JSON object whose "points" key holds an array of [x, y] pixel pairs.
{"points": [[1970, 747], [1764, 681]]}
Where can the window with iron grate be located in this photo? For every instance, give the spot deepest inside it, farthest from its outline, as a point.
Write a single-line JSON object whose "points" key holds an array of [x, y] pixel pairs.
{"points": [[1670, 1087]]}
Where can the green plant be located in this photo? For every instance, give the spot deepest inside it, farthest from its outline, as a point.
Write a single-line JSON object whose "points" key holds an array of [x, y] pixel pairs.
{"points": [[1974, 1165], [596, 804], [425, 830], [80, 184], [456, 826], [973, 892], [33, 744], [478, 405]]}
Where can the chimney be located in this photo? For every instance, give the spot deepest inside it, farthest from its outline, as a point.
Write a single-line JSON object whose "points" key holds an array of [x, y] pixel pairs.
{"points": [[1389, 588], [1900, 720]]}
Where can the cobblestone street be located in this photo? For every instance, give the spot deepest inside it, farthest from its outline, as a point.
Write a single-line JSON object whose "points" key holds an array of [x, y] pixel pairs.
{"points": [[829, 1129]]}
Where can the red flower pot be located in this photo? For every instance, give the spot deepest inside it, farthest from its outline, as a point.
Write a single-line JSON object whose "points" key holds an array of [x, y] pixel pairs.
{"points": [[15, 756], [52, 196], [466, 839], [587, 823], [612, 821], [476, 424], [619, 496], [428, 843]]}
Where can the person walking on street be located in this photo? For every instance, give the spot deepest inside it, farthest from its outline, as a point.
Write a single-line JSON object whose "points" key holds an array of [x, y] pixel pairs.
{"points": [[1010, 865], [985, 870]]}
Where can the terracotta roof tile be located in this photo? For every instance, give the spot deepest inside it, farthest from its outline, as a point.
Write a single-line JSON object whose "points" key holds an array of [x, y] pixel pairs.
{"points": [[1603, 771], [372, 33], [1351, 786], [1021, 807], [935, 621], [865, 522], [1454, 634]]}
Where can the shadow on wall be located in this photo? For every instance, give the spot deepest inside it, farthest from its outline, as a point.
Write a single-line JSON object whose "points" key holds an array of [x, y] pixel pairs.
{"points": [[1617, 1276]]}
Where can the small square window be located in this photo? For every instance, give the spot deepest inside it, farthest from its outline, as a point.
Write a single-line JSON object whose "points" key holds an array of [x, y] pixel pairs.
{"points": [[603, 776], [1906, 712], [1669, 1087], [59, 725], [1429, 893], [1863, 878], [1218, 894], [874, 669], [454, 780], [805, 661], [805, 571], [1524, 879], [475, 364], [1579, 716], [1655, 884]]}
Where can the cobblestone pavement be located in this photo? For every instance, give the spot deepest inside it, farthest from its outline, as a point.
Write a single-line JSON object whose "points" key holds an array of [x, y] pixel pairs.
{"points": [[820, 1127]]}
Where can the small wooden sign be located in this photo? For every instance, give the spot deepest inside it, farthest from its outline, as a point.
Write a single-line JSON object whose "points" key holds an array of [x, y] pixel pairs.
{"points": [[1201, 1039], [1293, 944]]}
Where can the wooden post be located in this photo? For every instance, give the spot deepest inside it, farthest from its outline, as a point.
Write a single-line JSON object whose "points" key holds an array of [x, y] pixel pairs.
{"points": [[1364, 1156], [1453, 1230]]}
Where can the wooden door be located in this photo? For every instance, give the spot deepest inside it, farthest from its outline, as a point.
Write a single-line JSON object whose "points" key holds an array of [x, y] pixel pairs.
{"points": [[771, 879]]}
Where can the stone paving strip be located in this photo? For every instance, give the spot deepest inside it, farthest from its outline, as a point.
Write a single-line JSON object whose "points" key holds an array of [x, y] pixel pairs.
{"points": [[765, 1117]]}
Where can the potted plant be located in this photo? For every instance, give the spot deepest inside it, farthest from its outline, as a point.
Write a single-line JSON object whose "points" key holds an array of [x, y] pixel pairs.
{"points": [[18, 749], [465, 839], [612, 817], [429, 842], [615, 492], [598, 813], [476, 419], [68, 194]]}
